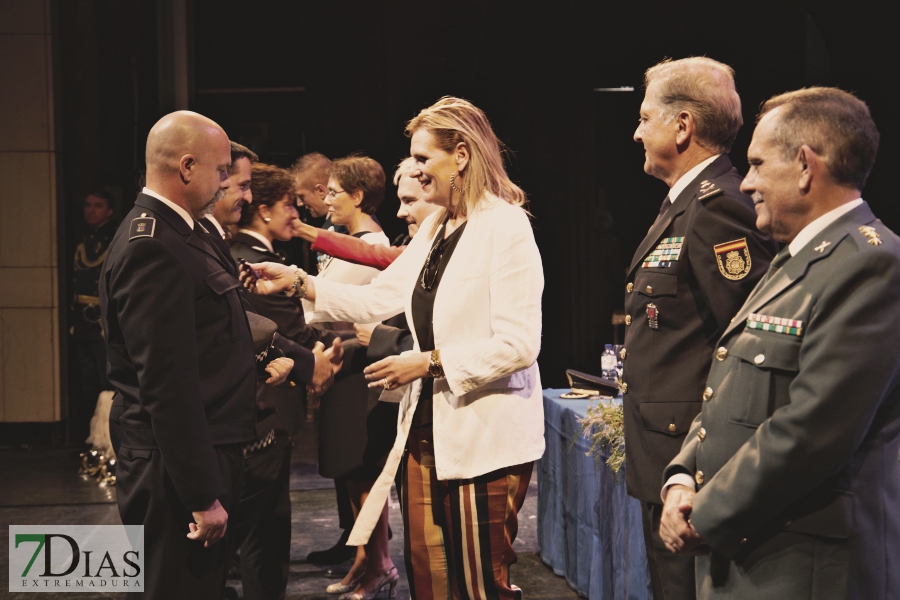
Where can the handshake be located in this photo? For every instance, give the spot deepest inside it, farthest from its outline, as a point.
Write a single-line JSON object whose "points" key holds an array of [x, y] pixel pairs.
{"points": [[328, 363]]}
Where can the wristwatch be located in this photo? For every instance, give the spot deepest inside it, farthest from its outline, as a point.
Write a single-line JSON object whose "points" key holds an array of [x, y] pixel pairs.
{"points": [[435, 368]]}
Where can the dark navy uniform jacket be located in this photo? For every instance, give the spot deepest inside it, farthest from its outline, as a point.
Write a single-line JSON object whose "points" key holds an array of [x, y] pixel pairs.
{"points": [[179, 348], [691, 274]]}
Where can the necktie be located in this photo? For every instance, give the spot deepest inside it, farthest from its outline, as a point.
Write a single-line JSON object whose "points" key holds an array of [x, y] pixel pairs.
{"points": [[663, 209], [777, 262], [665, 206]]}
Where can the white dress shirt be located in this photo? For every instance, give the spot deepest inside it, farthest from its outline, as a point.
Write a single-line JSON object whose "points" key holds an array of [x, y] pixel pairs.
{"points": [[688, 177], [808, 233], [181, 212], [216, 224]]}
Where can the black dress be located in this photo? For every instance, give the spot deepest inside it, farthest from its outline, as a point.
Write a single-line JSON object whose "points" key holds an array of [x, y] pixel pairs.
{"points": [[356, 430], [423, 312]]}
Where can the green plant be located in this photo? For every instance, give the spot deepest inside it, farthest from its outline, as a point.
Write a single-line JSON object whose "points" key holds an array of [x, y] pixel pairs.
{"points": [[604, 426]]}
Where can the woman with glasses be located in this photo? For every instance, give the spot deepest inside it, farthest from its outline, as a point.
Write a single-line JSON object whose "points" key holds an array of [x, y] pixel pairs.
{"points": [[355, 190], [356, 431], [470, 391]]}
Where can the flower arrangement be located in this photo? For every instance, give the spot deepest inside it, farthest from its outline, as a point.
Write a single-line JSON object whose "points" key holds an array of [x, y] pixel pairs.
{"points": [[604, 426]]}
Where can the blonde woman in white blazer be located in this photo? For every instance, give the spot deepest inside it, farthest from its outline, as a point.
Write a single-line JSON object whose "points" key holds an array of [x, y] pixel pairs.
{"points": [[473, 439]]}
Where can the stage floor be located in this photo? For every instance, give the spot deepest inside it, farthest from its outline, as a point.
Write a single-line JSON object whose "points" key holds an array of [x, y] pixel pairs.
{"points": [[39, 485]]}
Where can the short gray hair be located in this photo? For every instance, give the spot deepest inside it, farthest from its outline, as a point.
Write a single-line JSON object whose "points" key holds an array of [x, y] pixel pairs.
{"points": [[402, 169], [835, 124], [704, 88]]}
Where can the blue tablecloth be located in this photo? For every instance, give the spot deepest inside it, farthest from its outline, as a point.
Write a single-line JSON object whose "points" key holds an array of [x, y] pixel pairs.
{"points": [[589, 529]]}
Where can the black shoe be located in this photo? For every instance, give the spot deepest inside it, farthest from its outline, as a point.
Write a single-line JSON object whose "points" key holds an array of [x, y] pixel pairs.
{"points": [[335, 555]]}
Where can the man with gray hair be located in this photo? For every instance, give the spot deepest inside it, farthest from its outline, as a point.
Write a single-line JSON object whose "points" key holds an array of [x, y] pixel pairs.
{"points": [[693, 270], [792, 475]]}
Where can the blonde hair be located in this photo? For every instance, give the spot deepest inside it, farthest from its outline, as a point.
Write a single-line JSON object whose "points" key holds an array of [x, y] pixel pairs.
{"points": [[705, 88], [404, 167], [453, 120]]}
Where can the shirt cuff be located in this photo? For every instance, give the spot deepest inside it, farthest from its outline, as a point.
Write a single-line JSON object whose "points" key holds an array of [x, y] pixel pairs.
{"points": [[677, 479]]}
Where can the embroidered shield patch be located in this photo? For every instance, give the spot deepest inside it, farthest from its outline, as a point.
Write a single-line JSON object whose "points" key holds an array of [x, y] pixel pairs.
{"points": [[733, 259]]}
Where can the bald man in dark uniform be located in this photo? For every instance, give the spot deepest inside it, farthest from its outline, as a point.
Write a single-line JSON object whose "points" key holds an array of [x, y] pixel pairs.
{"points": [[182, 361]]}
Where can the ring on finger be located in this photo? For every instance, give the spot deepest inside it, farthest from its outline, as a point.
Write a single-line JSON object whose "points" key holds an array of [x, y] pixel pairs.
{"points": [[386, 383]]}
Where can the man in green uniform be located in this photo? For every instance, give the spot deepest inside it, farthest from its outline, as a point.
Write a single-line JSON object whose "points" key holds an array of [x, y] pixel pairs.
{"points": [[788, 479]]}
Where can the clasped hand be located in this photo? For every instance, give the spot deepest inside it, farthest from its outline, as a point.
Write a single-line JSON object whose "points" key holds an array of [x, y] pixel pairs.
{"points": [[395, 371], [210, 524], [675, 527], [328, 363]]}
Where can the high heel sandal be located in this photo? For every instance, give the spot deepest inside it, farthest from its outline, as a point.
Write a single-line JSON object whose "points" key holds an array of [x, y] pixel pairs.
{"points": [[391, 578], [340, 588]]}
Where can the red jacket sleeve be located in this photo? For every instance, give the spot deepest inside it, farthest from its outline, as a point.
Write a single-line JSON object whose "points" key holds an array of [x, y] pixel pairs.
{"points": [[355, 250]]}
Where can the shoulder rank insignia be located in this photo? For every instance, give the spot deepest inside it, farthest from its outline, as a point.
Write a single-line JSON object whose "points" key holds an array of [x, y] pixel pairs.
{"points": [[707, 190], [733, 259], [667, 251], [870, 233], [143, 226], [776, 324], [821, 247]]}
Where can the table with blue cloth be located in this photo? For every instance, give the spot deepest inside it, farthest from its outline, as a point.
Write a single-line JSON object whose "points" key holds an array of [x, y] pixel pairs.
{"points": [[589, 529]]}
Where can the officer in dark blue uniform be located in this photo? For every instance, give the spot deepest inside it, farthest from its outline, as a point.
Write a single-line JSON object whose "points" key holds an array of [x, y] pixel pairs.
{"points": [[182, 361], [690, 275]]}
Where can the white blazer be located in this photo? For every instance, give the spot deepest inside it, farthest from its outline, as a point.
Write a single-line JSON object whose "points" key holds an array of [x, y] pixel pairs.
{"points": [[488, 409]]}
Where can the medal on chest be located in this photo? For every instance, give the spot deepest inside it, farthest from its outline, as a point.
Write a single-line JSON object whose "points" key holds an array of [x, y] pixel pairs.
{"points": [[652, 316]]}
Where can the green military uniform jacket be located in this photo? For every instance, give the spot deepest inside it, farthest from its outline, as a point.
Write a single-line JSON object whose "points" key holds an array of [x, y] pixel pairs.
{"points": [[795, 451]]}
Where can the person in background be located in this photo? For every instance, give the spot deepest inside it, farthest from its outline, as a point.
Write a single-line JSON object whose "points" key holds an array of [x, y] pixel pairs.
{"points": [[310, 174], [311, 182], [227, 211], [356, 251], [693, 270], [470, 393], [263, 526], [788, 480], [84, 316], [393, 335], [355, 429]]}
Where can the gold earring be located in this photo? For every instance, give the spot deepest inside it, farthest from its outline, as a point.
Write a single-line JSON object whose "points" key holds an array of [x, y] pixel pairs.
{"points": [[453, 183]]}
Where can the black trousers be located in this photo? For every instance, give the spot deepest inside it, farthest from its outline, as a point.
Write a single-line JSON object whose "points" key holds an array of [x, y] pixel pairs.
{"points": [[263, 527], [345, 507], [174, 566], [672, 575]]}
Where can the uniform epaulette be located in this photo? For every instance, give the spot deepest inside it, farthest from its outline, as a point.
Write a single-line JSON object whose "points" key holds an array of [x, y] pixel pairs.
{"points": [[708, 190], [143, 226], [871, 235]]}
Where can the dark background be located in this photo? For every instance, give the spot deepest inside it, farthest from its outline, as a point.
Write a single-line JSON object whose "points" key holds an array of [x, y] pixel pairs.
{"points": [[349, 74]]}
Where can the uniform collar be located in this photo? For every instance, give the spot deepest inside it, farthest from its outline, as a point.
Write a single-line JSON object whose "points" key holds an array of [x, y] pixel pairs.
{"points": [[178, 210], [688, 177], [259, 237], [808, 233]]}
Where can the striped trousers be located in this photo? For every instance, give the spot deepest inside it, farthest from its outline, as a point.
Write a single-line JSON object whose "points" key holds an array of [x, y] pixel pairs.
{"points": [[459, 533]]}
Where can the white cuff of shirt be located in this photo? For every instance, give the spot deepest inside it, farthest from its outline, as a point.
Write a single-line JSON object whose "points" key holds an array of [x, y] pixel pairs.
{"points": [[677, 479]]}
